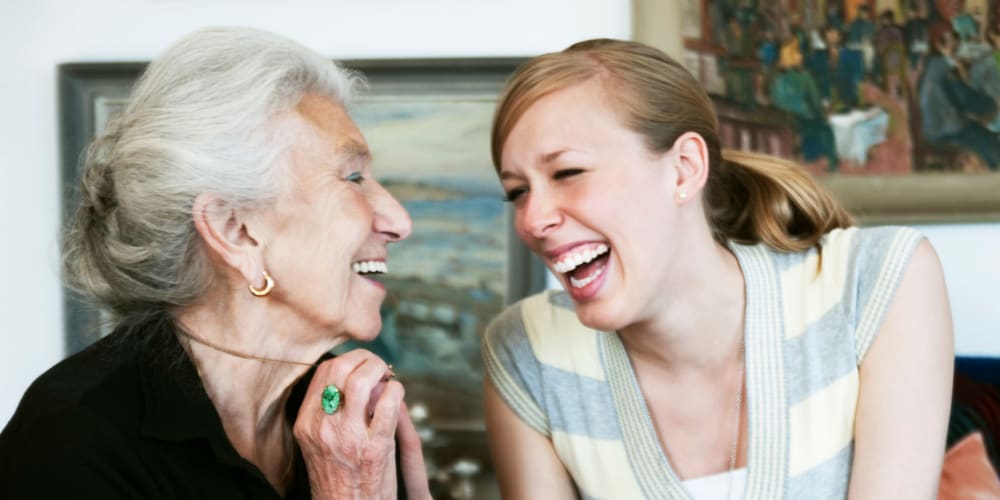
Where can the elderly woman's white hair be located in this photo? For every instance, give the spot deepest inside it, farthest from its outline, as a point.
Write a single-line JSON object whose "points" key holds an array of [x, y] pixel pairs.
{"points": [[200, 120]]}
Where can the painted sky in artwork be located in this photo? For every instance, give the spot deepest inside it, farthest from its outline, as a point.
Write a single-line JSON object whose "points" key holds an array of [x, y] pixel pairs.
{"points": [[427, 140], [434, 156]]}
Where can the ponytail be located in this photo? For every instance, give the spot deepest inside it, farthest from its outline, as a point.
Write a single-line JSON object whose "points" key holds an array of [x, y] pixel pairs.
{"points": [[757, 198]]}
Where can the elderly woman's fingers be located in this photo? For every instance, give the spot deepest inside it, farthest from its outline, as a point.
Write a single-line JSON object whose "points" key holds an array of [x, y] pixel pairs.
{"points": [[386, 413], [346, 455], [411, 457], [335, 372], [332, 371], [360, 385]]}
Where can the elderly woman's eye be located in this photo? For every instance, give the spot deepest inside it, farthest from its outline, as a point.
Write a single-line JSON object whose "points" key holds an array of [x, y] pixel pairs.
{"points": [[356, 177]]}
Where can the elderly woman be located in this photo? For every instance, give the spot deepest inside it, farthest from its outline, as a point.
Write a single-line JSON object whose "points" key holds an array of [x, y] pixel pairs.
{"points": [[230, 220]]}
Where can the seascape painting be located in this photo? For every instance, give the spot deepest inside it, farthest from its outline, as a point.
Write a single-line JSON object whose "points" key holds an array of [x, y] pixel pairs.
{"points": [[854, 87]]}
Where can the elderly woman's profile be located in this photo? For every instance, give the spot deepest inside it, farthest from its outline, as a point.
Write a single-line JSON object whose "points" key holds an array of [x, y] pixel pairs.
{"points": [[231, 222]]}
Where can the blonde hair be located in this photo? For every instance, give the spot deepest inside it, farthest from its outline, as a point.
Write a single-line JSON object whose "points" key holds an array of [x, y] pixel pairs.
{"points": [[749, 197]]}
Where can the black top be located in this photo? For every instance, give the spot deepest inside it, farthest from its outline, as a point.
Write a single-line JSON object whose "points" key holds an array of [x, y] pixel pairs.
{"points": [[129, 418]]}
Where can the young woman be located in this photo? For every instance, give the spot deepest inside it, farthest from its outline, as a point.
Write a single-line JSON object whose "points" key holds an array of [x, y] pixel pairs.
{"points": [[725, 331]]}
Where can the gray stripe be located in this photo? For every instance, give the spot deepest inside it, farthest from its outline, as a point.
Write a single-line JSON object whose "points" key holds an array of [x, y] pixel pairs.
{"points": [[819, 357], [518, 401], [579, 405], [828, 480], [562, 300], [513, 367]]}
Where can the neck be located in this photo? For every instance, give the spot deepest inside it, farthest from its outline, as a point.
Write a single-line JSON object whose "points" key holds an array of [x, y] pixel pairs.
{"points": [[248, 356], [698, 324]]}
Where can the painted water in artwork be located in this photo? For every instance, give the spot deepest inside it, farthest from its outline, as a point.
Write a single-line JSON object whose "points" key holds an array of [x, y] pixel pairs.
{"points": [[854, 86], [447, 280]]}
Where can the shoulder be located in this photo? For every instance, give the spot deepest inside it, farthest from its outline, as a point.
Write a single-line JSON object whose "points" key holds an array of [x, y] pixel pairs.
{"points": [[514, 356], [853, 259], [59, 441], [543, 332], [73, 408], [881, 251], [82, 426], [853, 273], [875, 261], [76, 381], [550, 313]]}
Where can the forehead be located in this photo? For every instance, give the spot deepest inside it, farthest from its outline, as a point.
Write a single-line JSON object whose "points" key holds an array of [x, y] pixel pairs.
{"points": [[331, 123], [324, 141], [588, 99], [577, 118]]}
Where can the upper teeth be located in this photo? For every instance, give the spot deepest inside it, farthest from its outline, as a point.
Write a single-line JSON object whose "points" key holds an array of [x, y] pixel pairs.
{"points": [[370, 266], [574, 260]]}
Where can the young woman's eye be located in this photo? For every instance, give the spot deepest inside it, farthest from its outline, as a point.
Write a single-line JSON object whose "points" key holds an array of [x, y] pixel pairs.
{"points": [[356, 177], [513, 194], [568, 172]]}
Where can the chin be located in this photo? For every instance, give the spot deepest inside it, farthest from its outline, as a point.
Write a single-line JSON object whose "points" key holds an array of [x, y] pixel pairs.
{"points": [[366, 332], [599, 317]]}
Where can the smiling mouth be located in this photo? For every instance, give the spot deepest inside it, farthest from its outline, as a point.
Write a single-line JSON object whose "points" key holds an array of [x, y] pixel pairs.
{"points": [[370, 267], [584, 264]]}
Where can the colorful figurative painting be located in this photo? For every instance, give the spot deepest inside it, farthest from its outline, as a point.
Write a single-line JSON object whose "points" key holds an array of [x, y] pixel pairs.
{"points": [[854, 86], [447, 280]]}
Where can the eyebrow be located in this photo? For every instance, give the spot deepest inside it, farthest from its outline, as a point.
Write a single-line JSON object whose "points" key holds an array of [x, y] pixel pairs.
{"points": [[553, 156], [546, 158], [355, 150], [506, 174]]}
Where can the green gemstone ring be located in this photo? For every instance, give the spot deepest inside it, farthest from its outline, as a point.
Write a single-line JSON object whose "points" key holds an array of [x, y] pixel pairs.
{"points": [[330, 399]]}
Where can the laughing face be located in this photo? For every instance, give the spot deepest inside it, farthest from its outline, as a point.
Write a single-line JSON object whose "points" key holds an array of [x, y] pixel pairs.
{"points": [[593, 202], [330, 228]]}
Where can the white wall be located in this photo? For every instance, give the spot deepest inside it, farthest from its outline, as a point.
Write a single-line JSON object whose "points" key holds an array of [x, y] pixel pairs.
{"points": [[970, 254], [37, 35]]}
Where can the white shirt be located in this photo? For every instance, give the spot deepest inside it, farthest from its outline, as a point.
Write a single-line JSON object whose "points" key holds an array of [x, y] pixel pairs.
{"points": [[715, 486]]}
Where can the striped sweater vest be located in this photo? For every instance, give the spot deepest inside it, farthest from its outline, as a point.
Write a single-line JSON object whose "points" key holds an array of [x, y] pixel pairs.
{"points": [[807, 329]]}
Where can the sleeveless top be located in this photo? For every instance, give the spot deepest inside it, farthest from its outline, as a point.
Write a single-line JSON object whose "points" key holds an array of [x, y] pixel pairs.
{"points": [[810, 318]]}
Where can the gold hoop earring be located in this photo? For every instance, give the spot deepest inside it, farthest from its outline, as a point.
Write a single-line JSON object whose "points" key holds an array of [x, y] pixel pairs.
{"points": [[268, 286]]}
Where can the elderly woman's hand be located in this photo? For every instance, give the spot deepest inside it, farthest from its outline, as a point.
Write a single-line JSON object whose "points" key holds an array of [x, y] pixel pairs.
{"points": [[351, 453]]}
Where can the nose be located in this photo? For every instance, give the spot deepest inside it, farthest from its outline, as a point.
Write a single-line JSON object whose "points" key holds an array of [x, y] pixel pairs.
{"points": [[391, 219], [539, 216]]}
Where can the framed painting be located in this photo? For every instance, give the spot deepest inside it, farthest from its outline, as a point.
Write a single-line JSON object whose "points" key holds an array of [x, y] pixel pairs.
{"points": [[427, 123], [894, 105]]}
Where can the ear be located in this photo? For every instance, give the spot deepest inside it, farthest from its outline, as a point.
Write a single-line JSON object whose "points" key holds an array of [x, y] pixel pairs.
{"points": [[692, 165], [225, 233]]}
